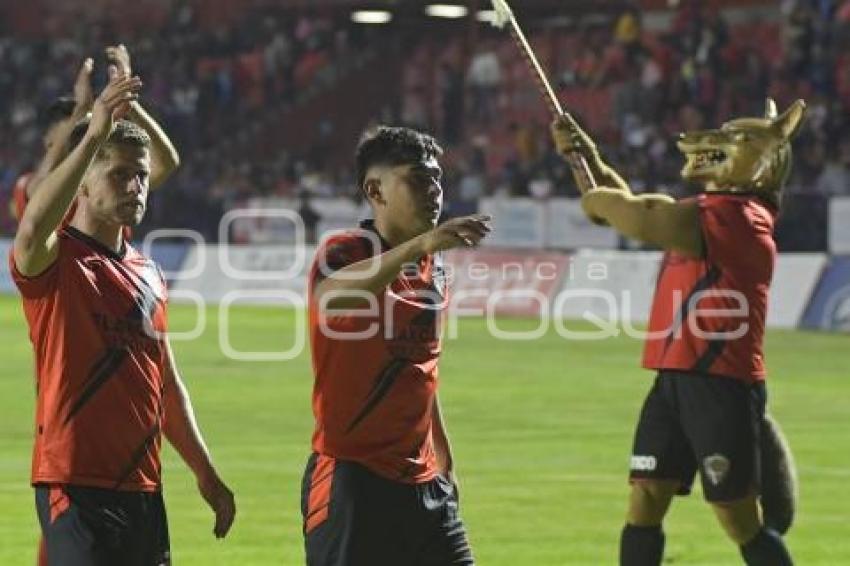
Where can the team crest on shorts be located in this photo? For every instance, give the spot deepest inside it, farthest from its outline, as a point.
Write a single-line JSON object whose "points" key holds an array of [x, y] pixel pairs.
{"points": [[716, 468]]}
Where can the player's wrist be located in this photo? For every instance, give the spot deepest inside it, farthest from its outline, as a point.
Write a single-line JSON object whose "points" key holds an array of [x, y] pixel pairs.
{"points": [[420, 245], [95, 137], [206, 474]]}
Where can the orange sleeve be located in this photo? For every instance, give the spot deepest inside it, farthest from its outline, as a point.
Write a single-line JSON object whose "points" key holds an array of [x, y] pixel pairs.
{"points": [[37, 286], [336, 253]]}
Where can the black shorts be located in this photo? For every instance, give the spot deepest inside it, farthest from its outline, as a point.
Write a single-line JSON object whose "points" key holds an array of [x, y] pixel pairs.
{"points": [[85, 526], [694, 421], [353, 517]]}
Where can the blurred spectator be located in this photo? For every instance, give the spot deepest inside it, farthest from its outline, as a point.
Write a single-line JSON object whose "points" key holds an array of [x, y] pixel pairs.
{"points": [[835, 177], [310, 218], [485, 77], [452, 103]]}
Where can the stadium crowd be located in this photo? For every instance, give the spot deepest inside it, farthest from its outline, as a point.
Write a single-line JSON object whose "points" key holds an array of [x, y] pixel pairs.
{"points": [[212, 85], [637, 89], [636, 86]]}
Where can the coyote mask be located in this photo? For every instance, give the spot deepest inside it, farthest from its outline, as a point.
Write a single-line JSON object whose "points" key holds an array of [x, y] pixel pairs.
{"points": [[746, 155]]}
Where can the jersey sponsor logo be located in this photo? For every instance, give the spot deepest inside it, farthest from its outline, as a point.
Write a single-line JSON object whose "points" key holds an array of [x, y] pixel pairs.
{"points": [[640, 463], [716, 468]]}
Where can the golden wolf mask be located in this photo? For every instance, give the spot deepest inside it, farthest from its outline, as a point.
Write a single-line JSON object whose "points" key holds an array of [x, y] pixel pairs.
{"points": [[746, 155]]}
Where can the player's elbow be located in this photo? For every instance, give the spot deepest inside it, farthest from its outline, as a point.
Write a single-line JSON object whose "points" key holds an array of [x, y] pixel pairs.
{"points": [[168, 161], [25, 236]]}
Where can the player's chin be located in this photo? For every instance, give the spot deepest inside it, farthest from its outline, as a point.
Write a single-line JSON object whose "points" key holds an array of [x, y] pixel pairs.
{"points": [[133, 219]]}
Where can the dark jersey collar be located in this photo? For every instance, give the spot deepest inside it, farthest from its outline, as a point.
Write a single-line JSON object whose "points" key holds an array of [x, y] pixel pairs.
{"points": [[97, 245], [370, 226]]}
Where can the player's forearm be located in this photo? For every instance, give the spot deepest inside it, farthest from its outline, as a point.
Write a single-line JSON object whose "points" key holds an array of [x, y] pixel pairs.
{"points": [[57, 150], [652, 218], [348, 287], [607, 176], [181, 429], [164, 156], [603, 174], [628, 214], [55, 193]]}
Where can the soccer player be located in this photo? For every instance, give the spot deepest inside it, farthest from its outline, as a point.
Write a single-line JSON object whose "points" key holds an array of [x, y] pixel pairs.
{"points": [[706, 328], [379, 488], [60, 117], [108, 387]]}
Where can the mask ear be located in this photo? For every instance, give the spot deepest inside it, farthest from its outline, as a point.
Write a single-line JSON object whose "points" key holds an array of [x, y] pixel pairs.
{"points": [[770, 111], [791, 120]]}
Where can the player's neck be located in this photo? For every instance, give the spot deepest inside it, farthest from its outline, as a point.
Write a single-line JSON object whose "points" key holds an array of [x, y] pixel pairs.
{"points": [[392, 234], [110, 235]]}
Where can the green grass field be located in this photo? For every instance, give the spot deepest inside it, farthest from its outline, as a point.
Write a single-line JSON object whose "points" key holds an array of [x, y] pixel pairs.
{"points": [[541, 430]]}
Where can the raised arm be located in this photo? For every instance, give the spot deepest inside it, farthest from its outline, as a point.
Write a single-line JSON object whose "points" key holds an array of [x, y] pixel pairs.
{"points": [[181, 430], [35, 246], [653, 218], [570, 138], [164, 156], [340, 289], [58, 139]]}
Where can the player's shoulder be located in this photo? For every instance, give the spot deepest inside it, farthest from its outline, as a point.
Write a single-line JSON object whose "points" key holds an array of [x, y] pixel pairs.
{"points": [[737, 211], [345, 236], [359, 241], [135, 256]]}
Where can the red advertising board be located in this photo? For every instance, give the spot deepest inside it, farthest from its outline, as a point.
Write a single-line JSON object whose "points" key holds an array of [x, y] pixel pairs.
{"points": [[512, 283]]}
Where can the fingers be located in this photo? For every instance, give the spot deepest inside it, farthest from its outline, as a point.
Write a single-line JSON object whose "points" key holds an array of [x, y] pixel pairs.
{"points": [[83, 95], [225, 513], [470, 230], [119, 88], [129, 92], [118, 95], [475, 227], [85, 71], [118, 55]]}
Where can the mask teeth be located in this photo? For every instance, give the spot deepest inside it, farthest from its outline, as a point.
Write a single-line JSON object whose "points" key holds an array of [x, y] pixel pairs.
{"points": [[707, 158]]}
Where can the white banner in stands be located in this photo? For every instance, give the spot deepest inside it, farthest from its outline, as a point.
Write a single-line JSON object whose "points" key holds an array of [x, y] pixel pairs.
{"points": [[244, 270], [794, 281], [329, 214], [568, 227], [517, 222], [6, 284], [839, 225], [601, 281]]}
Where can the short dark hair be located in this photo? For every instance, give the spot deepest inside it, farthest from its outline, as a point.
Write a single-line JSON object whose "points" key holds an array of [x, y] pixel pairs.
{"points": [[123, 133], [393, 146], [60, 109]]}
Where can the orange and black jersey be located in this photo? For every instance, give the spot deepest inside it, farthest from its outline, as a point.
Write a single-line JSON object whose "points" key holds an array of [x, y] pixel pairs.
{"points": [[97, 321], [708, 314], [375, 368]]}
